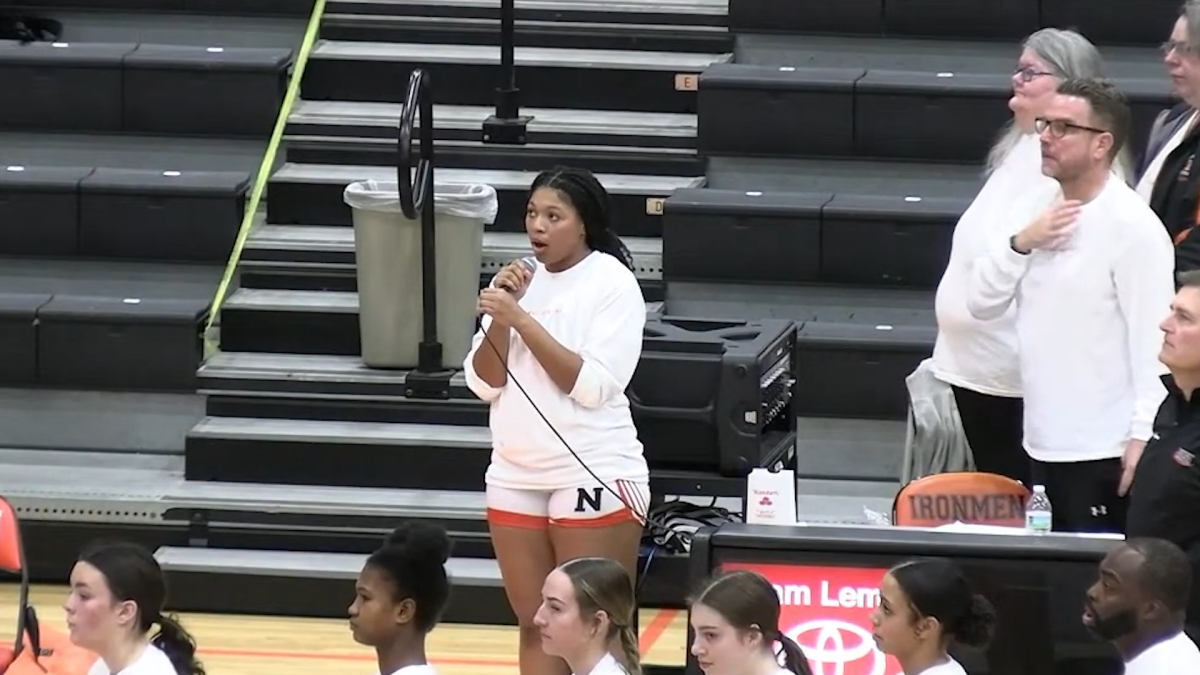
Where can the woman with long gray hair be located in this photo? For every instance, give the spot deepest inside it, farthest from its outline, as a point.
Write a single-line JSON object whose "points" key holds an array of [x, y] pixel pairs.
{"points": [[978, 359]]}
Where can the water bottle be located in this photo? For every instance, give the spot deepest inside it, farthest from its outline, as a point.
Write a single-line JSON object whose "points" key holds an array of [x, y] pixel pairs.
{"points": [[1038, 516]]}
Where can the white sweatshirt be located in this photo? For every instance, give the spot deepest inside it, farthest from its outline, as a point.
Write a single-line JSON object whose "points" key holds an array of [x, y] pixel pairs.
{"points": [[981, 355], [152, 661], [1087, 326], [596, 310], [1175, 656]]}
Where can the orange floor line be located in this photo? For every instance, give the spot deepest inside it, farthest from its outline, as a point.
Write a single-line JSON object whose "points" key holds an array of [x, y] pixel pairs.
{"points": [[658, 625]]}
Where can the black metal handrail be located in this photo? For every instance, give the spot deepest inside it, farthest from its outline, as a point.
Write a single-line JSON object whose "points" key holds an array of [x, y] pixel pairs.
{"points": [[417, 201], [414, 190]]}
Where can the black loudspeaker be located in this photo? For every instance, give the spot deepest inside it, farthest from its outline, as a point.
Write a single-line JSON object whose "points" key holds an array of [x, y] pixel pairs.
{"points": [[716, 396]]}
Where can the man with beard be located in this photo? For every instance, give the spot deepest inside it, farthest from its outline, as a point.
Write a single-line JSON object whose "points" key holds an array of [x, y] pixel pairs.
{"points": [[1138, 605], [1091, 279]]}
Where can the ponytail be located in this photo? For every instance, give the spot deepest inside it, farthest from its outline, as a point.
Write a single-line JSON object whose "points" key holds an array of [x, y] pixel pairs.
{"points": [[794, 659], [178, 645], [630, 653]]}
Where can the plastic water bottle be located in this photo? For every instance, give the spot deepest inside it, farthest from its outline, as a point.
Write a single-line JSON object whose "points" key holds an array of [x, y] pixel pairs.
{"points": [[1038, 515]]}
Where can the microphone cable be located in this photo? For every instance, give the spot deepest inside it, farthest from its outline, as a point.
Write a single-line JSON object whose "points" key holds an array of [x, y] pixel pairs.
{"points": [[666, 530]]}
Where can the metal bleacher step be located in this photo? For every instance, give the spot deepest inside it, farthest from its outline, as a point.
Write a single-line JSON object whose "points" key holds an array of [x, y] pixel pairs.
{"points": [[147, 88], [534, 33], [550, 78], [465, 148], [272, 9], [254, 581], [313, 193], [344, 132], [349, 454], [123, 326], [698, 12], [328, 458], [957, 56], [305, 257], [315, 322], [362, 119]]}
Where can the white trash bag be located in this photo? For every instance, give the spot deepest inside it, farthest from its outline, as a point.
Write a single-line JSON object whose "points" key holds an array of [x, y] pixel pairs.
{"points": [[473, 201]]}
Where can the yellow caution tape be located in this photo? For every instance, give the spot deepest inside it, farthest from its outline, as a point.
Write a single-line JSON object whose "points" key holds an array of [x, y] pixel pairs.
{"points": [[264, 171]]}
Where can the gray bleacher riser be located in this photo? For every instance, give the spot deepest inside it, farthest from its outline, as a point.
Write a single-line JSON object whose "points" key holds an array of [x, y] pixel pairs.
{"points": [[564, 33], [343, 279], [632, 14], [475, 155], [346, 71], [364, 133], [142, 88], [739, 236], [314, 194], [288, 8], [102, 342], [316, 597], [149, 215], [318, 584], [945, 117], [285, 322], [1140, 22]]}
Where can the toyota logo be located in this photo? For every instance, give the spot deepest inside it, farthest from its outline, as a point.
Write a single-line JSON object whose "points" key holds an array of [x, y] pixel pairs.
{"points": [[838, 644]]}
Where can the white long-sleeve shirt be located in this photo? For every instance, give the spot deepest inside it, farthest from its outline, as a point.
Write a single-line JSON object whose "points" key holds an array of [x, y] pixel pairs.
{"points": [[1087, 318], [981, 355], [596, 310]]}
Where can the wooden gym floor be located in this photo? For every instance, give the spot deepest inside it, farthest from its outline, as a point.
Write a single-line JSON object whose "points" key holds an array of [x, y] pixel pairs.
{"points": [[251, 645]]}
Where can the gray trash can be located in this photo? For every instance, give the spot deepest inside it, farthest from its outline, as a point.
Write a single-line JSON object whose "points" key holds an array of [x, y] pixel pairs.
{"points": [[387, 248]]}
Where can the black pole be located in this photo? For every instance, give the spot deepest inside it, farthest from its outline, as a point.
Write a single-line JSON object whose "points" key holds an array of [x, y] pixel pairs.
{"points": [[429, 379], [507, 126]]}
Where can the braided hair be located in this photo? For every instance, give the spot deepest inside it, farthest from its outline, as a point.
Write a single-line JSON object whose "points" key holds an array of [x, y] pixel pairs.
{"points": [[590, 199]]}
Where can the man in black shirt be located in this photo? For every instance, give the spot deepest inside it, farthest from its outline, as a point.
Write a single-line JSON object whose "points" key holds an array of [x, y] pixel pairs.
{"points": [[1164, 500]]}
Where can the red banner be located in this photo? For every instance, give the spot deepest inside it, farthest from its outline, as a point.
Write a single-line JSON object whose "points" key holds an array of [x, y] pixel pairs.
{"points": [[827, 611]]}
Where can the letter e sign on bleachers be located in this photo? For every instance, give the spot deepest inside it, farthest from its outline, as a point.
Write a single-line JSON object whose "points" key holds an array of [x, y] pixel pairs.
{"points": [[687, 82]]}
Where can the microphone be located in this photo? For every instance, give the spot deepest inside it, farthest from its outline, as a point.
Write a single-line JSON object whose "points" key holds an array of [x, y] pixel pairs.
{"points": [[530, 264]]}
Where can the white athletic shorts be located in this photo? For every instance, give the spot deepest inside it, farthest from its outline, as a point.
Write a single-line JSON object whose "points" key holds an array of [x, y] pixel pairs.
{"points": [[590, 505]]}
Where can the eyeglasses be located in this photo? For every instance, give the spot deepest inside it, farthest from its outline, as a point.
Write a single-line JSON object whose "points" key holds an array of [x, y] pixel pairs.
{"points": [[1060, 128], [1178, 46], [1026, 73]]}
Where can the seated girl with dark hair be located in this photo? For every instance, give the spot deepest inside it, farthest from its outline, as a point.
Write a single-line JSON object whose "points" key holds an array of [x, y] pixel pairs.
{"points": [[399, 597], [117, 597], [925, 605]]}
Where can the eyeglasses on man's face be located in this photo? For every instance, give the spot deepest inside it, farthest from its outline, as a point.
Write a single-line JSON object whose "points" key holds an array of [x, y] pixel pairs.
{"points": [[1060, 128]]}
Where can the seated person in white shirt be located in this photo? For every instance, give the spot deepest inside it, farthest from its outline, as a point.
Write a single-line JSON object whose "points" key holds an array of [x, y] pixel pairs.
{"points": [[588, 612], [1091, 280], [1138, 604], [735, 619], [925, 605], [117, 598], [399, 597]]}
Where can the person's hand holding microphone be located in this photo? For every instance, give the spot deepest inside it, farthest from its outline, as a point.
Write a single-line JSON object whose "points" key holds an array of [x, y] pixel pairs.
{"points": [[499, 300]]}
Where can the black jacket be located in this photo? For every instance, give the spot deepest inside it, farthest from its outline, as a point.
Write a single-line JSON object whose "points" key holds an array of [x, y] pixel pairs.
{"points": [[1176, 194], [1164, 501]]}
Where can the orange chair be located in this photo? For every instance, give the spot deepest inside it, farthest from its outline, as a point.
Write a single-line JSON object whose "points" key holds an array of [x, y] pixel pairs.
{"points": [[38, 649], [966, 497]]}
